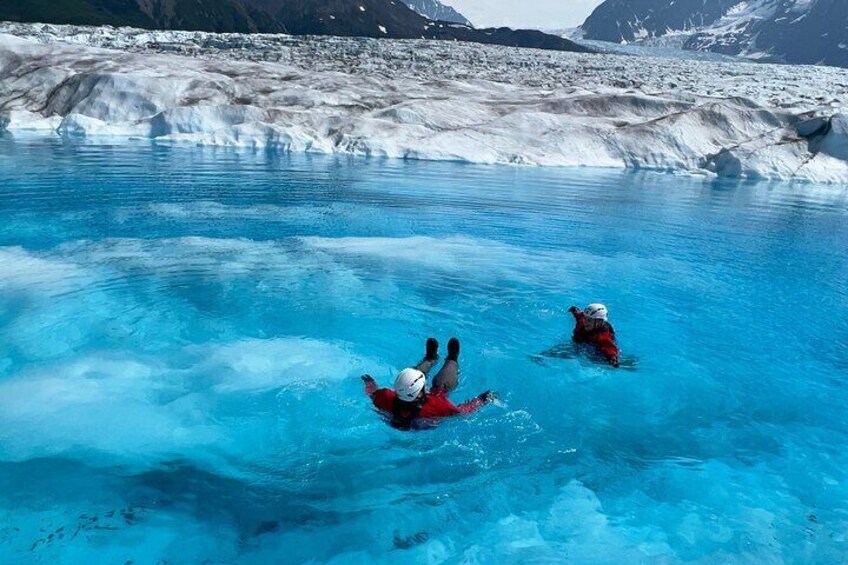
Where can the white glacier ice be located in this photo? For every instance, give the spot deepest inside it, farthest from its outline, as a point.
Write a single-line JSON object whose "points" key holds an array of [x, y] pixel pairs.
{"points": [[426, 100]]}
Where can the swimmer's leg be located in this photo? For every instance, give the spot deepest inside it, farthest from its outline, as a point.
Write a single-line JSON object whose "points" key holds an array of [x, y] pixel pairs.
{"points": [[448, 376], [567, 350], [431, 356]]}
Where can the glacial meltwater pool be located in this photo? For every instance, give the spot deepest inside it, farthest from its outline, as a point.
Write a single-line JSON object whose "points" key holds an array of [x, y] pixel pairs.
{"points": [[182, 332]]}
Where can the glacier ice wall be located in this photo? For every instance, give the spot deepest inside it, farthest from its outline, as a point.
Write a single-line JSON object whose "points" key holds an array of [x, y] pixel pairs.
{"points": [[426, 100]]}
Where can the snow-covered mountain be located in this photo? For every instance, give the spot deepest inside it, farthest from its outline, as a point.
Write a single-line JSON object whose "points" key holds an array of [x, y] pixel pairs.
{"points": [[789, 31], [435, 10], [631, 20]]}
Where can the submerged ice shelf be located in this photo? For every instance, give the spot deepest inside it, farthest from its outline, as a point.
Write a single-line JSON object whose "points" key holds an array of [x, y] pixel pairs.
{"points": [[426, 100]]}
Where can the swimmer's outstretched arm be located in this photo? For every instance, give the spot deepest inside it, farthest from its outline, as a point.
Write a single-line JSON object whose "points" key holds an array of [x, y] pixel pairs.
{"points": [[371, 385], [382, 398], [471, 406]]}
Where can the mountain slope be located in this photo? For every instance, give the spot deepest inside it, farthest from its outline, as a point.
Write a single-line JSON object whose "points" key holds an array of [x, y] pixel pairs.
{"points": [[365, 18], [629, 20], [205, 15], [391, 19], [789, 31], [435, 10], [369, 18]]}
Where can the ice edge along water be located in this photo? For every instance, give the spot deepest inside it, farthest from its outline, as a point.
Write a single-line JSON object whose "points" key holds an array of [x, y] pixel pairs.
{"points": [[426, 100]]}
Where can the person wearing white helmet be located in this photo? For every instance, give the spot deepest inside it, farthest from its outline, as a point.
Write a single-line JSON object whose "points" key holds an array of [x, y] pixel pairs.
{"points": [[409, 405], [593, 328]]}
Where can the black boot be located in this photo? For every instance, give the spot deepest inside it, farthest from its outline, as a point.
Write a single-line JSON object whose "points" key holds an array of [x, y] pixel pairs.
{"points": [[453, 350], [432, 350]]}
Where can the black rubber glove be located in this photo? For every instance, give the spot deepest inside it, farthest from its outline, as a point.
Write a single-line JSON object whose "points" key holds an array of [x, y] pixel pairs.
{"points": [[488, 397]]}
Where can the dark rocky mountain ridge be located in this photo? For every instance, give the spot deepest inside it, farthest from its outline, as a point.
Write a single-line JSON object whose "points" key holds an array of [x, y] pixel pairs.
{"points": [[366, 18]]}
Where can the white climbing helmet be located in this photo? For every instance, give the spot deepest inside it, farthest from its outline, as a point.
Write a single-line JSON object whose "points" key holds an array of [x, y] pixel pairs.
{"points": [[409, 384], [596, 312]]}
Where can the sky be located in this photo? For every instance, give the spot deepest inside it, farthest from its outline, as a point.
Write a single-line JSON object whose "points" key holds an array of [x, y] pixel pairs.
{"points": [[544, 14]]}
